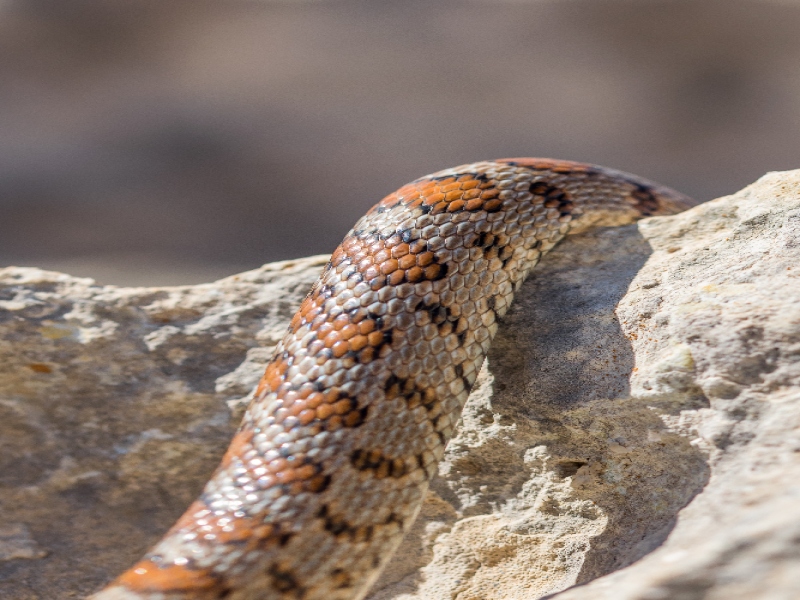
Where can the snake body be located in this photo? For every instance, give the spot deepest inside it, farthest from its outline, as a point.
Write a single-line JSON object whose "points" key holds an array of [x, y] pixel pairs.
{"points": [[346, 429]]}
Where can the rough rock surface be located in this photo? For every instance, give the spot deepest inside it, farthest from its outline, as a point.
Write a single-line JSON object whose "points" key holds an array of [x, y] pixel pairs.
{"points": [[636, 427]]}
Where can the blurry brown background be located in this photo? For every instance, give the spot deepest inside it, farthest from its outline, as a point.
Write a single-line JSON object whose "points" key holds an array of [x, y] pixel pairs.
{"points": [[171, 141]]}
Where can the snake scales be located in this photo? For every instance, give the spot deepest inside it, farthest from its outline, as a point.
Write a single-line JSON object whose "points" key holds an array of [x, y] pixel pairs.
{"points": [[352, 416]]}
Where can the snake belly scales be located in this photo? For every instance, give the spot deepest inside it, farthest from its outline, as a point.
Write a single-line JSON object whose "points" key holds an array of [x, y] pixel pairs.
{"points": [[333, 457]]}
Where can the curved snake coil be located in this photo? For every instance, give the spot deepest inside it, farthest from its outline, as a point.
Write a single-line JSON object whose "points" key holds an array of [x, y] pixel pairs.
{"points": [[352, 416]]}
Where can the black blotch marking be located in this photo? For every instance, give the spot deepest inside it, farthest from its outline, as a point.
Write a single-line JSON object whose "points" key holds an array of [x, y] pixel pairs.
{"points": [[444, 269], [646, 201], [413, 395], [493, 209], [438, 313], [285, 581], [505, 255], [342, 580], [353, 314], [493, 245], [441, 273], [439, 434], [378, 320], [339, 527], [350, 419], [554, 197], [459, 369], [534, 245], [377, 462], [334, 526]]}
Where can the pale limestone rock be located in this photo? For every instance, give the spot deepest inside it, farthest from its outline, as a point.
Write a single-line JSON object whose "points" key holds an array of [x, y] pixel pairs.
{"points": [[636, 427]]}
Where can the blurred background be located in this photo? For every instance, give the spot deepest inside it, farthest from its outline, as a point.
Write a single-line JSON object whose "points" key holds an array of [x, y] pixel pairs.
{"points": [[148, 142]]}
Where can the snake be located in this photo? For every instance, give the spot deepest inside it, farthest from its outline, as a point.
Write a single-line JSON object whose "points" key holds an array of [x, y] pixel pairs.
{"points": [[345, 430]]}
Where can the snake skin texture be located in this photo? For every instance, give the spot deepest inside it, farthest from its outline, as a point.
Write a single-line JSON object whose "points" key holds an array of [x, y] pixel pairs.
{"points": [[346, 429]]}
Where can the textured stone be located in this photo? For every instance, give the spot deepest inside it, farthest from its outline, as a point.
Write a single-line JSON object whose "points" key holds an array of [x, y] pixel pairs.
{"points": [[636, 427]]}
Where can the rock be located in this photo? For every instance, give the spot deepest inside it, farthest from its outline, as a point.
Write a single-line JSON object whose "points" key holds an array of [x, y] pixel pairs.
{"points": [[636, 427]]}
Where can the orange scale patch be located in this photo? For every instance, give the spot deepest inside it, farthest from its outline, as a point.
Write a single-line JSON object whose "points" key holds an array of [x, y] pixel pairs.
{"points": [[439, 207], [425, 259], [366, 327], [330, 339], [473, 204], [339, 349], [341, 322], [358, 315], [434, 272], [278, 465], [241, 529], [396, 278], [306, 416], [400, 250], [147, 576], [323, 328], [342, 407], [314, 400], [240, 443], [381, 256], [418, 246], [493, 205], [273, 376], [348, 331], [557, 166], [310, 310], [297, 322], [338, 256], [371, 273], [375, 338], [407, 261], [358, 343], [456, 206], [415, 275], [324, 411], [285, 477], [388, 266], [305, 391], [367, 355], [434, 198]]}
